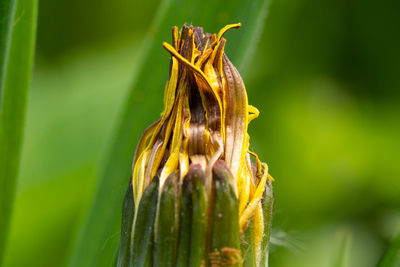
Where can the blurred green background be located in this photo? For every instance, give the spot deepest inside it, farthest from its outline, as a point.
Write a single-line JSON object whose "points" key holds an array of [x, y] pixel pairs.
{"points": [[325, 77]]}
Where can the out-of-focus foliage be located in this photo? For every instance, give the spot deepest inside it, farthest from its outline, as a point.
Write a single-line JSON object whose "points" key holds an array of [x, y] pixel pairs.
{"points": [[392, 254], [324, 77], [17, 42]]}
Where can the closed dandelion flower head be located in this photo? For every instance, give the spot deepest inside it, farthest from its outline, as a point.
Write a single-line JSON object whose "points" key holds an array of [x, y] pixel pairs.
{"points": [[201, 144]]}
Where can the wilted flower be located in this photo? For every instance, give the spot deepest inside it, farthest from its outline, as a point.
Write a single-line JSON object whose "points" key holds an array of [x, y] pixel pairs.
{"points": [[196, 198]]}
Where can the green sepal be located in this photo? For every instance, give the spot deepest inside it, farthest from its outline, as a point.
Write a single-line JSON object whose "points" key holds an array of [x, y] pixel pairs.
{"points": [[143, 236], [185, 223], [193, 220], [225, 241], [247, 246], [166, 226], [267, 204], [199, 218], [128, 213]]}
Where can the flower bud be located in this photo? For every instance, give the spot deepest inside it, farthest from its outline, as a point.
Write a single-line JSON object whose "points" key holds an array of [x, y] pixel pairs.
{"points": [[198, 196]]}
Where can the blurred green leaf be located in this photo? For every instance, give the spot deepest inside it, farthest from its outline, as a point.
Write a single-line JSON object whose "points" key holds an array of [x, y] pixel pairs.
{"points": [[98, 239], [342, 249], [7, 9], [391, 258], [65, 145], [17, 36], [41, 230]]}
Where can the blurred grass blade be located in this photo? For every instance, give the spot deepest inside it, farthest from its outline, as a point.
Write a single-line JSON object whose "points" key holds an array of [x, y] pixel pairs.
{"points": [[95, 245], [391, 258], [342, 249], [18, 29], [250, 35], [7, 9]]}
